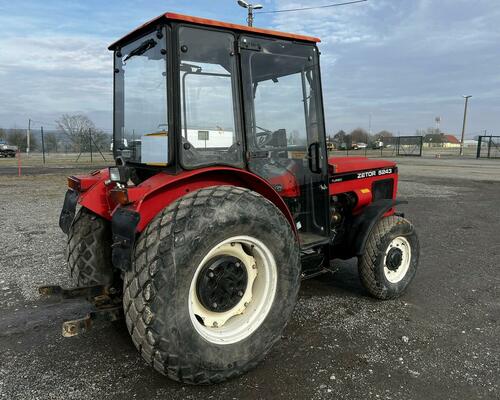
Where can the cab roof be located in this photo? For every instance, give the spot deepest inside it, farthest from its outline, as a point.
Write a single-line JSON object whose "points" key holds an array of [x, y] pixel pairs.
{"points": [[208, 22]]}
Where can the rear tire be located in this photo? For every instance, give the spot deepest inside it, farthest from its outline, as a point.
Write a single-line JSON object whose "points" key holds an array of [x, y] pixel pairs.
{"points": [[199, 342], [89, 249], [391, 257]]}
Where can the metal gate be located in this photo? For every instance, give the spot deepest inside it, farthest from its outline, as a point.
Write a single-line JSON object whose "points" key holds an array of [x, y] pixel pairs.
{"points": [[409, 146], [488, 147]]}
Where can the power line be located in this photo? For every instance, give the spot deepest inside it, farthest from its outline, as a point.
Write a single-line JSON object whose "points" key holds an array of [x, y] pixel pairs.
{"points": [[311, 8]]}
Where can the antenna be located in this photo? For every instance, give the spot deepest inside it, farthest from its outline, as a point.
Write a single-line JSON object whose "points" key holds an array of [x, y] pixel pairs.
{"points": [[250, 8]]}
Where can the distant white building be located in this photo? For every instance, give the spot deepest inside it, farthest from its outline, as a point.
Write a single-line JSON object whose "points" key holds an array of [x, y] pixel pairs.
{"points": [[470, 143], [204, 138]]}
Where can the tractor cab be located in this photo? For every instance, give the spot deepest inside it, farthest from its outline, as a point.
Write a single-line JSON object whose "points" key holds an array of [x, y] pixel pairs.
{"points": [[222, 199], [191, 93]]}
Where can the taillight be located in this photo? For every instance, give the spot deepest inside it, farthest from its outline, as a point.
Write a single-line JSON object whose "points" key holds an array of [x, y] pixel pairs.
{"points": [[74, 183], [119, 196]]}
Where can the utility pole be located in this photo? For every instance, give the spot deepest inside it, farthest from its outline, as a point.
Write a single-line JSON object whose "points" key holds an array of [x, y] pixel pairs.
{"points": [[28, 138], [250, 8], [369, 127], [463, 126]]}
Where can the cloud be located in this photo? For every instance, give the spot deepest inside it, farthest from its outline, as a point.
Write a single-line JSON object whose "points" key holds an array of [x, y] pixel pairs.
{"points": [[404, 62], [54, 74]]}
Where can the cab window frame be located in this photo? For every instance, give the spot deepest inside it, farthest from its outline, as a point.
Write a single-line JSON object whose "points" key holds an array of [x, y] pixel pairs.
{"points": [[166, 43], [237, 99]]}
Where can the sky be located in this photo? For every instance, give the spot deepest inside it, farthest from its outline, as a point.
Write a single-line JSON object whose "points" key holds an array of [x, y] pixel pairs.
{"points": [[398, 63]]}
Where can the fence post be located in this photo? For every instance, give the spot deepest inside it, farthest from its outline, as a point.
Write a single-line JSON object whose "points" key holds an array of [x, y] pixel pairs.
{"points": [[489, 146], [478, 151], [90, 137], [18, 162], [43, 145]]}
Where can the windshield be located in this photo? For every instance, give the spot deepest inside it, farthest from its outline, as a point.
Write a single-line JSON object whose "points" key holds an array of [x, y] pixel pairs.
{"points": [[140, 124]]}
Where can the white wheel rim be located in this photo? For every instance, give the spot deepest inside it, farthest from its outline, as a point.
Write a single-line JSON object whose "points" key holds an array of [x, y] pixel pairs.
{"points": [[397, 275], [245, 317]]}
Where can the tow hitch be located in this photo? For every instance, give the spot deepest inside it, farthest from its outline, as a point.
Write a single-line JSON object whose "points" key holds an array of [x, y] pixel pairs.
{"points": [[105, 300]]}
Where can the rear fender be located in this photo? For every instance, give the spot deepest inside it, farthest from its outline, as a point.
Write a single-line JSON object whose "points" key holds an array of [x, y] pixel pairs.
{"points": [[159, 191], [95, 194], [164, 189], [90, 192]]}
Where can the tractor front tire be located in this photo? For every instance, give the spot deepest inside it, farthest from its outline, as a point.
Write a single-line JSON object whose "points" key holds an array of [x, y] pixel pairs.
{"points": [[390, 260], [214, 281], [88, 249]]}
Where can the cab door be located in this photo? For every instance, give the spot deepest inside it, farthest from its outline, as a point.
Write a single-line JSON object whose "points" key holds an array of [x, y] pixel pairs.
{"points": [[284, 128]]}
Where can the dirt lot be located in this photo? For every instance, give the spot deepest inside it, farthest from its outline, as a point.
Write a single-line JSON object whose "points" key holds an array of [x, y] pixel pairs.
{"points": [[439, 341]]}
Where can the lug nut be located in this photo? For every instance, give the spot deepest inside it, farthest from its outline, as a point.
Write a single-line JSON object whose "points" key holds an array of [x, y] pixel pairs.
{"points": [[237, 265], [215, 324], [214, 305], [211, 275], [240, 293]]}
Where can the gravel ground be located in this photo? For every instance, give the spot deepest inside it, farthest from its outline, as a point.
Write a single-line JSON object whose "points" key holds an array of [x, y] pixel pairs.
{"points": [[439, 341]]}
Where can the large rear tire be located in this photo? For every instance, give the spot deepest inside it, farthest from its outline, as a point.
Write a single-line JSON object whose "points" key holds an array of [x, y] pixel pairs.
{"points": [[89, 250], [391, 258], [214, 281]]}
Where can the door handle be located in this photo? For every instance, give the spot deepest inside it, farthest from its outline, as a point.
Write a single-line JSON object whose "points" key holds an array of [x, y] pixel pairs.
{"points": [[313, 157]]}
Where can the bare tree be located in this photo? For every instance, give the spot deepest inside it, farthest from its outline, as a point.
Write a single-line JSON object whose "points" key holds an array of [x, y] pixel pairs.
{"points": [[359, 135], [340, 137], [76, 128], [101, 139], [384, 136]]}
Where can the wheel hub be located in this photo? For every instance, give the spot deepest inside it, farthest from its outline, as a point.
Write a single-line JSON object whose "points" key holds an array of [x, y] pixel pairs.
{"points": [[215, 289], [222, 283], [394, 259], [397, 259]]}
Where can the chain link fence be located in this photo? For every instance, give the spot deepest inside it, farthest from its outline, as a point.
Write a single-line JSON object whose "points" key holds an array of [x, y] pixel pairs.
{"points": [[488, 147], [390, 147]]}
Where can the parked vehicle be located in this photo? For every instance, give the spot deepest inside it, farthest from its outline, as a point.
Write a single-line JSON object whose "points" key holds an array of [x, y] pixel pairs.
{"points": [[359, 146], [202, 248], [7, 150]]}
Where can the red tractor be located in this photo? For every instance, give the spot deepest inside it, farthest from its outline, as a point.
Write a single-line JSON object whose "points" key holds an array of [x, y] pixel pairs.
{"points": [[223, 198]]}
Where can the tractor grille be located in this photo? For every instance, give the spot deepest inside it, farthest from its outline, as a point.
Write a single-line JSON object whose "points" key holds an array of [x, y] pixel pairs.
{"points": [[383, 189]]}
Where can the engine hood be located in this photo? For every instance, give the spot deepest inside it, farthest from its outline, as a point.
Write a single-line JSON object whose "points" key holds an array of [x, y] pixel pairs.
{"points": [[340, 165]]}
